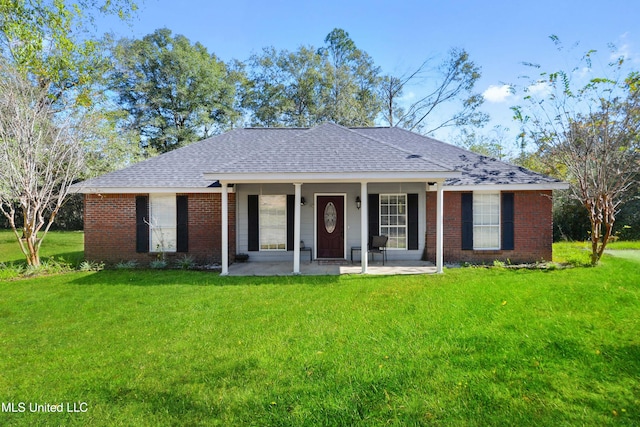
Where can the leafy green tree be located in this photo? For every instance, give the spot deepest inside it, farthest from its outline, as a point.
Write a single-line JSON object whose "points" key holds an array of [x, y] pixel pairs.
{"points": [[283, 87], [335, 83], [592, 130], [51, 41], [450, 83], [174, 92]]}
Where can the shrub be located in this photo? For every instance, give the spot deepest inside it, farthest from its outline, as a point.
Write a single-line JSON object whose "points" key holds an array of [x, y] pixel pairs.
{"points": [[158, 264], [186, 262], [91, 266], [127, 265]]}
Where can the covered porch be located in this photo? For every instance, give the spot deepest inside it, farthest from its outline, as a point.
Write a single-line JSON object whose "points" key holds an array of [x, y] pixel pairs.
{"points": [[353, 226]]}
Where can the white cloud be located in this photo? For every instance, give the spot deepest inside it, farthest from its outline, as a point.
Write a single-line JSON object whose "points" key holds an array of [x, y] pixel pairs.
{"points": [[497, 94], [539, 88], [622, 50]]}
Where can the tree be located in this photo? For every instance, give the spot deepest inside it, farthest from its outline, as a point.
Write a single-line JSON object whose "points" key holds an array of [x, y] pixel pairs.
{"points": [[353, 79], [451, 82], [51, 41], [337, 83], [175, 92], [40, 156], [591, 130], [283, 87]]}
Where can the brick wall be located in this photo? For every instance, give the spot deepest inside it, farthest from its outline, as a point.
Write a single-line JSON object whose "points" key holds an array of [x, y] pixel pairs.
{"points": [[533, 229], [110, 228]]}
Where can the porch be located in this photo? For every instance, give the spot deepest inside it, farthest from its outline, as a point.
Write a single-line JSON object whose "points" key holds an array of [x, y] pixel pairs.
{"points": [[331, 268]]}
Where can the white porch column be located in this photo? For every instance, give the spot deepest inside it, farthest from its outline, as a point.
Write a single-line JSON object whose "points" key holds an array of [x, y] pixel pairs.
{"points": [[296, 228], [225, 230], [364, 227], [439, 226]]}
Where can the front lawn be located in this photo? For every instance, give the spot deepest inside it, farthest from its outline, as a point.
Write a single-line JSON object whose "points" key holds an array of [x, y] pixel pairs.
{"points": [[474, 346]]}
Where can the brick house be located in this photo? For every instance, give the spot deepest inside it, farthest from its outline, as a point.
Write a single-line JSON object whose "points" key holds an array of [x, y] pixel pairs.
{"points": [[276, 192]]}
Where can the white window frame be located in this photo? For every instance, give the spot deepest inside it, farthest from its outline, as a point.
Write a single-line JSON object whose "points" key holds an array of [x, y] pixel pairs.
{"points": [[486, 218], [163, 217], [397, 216], [272, 222]]}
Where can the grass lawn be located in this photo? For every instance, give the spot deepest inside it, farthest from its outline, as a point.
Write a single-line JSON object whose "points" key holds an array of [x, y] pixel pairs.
{"points": [[474, 346]]}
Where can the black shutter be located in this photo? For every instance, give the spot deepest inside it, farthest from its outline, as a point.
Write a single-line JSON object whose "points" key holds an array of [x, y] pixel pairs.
{"points": [[412, 221], [507, 213], [182, 216], [142, 228], [290, 217], [374, 215], [253, 226], [467, 221]]}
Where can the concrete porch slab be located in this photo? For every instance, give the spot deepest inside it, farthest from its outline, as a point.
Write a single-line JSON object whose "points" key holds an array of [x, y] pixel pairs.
{"points": [[314, 268]]}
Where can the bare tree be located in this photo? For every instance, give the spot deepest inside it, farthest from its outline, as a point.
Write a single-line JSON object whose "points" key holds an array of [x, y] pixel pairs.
{"points": [[40, 156], [590, 134], [449, 83]]}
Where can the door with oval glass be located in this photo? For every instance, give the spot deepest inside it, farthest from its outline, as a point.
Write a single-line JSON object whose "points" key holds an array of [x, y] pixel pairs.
{"points": [[330, 226]]}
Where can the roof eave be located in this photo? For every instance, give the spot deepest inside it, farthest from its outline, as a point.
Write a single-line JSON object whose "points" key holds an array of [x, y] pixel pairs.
{"points": [[342, 177], [78, 189], [508, 187]]}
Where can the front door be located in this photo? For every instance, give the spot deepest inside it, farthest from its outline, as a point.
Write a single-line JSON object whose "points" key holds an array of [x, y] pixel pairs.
{"points": [[330, 222]]}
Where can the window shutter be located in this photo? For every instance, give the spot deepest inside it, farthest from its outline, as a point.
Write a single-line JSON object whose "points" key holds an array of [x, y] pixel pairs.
{"points": [[290, 217], [374, 215], [253, 223], [507, 210], [182, 223], [412, 221], [467, 221], [142, 228]]}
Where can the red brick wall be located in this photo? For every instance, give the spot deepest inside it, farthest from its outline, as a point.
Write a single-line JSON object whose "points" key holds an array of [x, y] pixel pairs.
{"points": [[110, 228], [533, 229]]}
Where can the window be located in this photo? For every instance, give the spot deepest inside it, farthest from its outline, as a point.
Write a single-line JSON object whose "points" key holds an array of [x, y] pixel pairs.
{"points": [[486, 220], [273, 223], [162, 223], [393, 219]]}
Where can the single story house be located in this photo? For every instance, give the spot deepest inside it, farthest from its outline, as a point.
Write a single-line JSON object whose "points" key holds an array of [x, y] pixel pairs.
{"points": [[279, 193]]}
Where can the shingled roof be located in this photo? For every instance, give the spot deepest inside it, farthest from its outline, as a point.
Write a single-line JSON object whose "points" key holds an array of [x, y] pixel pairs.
{"points": [[324, 149]]}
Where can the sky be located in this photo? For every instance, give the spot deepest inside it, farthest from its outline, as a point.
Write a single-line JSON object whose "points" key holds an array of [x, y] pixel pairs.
{"points": [[399, 35]]}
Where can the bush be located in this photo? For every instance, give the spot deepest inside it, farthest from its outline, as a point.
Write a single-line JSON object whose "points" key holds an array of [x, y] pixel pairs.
{"points": [[127, 265], [158, 264], [186, 262]]}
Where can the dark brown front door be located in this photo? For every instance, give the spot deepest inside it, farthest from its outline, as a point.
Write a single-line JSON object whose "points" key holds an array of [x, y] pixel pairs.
{"points": [[330, 220]]}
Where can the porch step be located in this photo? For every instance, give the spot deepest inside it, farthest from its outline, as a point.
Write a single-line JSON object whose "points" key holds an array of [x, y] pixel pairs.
{"points": [[333, 262]]}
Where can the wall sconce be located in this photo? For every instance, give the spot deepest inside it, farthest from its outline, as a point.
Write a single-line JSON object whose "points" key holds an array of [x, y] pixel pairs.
{"points": [[302, 201], [358, 202]]}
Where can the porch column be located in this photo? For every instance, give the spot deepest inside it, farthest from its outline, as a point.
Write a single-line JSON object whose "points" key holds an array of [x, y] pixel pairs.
{"points": [[296, 228], [439, 226], [224, 250], [364, 227]]}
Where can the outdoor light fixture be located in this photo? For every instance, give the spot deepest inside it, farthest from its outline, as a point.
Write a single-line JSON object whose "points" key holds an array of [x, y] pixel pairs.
{"points": [[302, 201], [358, 202]]}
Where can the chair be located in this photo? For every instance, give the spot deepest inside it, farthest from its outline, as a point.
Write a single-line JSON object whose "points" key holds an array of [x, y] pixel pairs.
{"points": [[378, 245]]}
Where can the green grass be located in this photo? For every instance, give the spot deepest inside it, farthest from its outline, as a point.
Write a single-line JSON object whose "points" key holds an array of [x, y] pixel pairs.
{"points": [[471, 347], [67, 245]]}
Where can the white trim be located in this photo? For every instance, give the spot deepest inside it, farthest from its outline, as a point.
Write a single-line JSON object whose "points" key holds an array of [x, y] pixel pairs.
{"points": [[499, 226], [297, 189], [439, 228], [147, 190], [315, 222], [406, 220], [225, 231], [319, 177], [507, 187], [364, 227]]}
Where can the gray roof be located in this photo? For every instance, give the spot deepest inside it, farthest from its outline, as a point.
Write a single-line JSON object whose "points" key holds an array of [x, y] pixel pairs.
{"points": [[327, 148]]}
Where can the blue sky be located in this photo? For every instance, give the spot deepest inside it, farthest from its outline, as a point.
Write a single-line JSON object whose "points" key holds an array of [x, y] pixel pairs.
{"points": [[400, 35]]}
